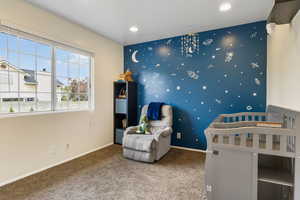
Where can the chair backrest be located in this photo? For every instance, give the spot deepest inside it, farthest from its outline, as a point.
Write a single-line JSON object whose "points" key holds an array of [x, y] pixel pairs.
{"points": [[166, 116]]}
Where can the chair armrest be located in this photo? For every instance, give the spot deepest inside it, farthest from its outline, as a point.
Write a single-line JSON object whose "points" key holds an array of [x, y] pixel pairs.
{"points": [[131, 130], [163, 133]]}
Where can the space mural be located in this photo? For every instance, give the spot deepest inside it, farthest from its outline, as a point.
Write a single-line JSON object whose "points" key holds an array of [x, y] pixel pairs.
{"points": [[202, 75]]}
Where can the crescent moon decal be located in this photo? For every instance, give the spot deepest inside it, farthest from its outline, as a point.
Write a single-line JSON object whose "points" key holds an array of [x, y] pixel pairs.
{"points": [[133, 57]]}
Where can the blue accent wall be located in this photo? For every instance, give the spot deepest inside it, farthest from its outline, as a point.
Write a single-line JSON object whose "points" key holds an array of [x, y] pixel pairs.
{"points": [[226, 75]]}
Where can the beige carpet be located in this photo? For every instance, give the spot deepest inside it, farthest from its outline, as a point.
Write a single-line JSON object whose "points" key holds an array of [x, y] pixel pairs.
{"points": [[106, 175]]}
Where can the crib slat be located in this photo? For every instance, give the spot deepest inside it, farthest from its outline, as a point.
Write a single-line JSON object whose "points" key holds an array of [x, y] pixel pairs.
{"points": [[255, 141], [293, 123], [220, 139], [291, 144], [269, 142], [240, 118], [250, 118], [243, 140], [231, 139], [283, 143]]}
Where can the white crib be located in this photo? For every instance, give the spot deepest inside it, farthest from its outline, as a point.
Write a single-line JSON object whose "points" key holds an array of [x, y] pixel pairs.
{"points": [[246, 162]]}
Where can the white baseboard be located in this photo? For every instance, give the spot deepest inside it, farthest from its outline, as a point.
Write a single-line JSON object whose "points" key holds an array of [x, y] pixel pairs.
{"points": [[188, 149], [48, 167]]}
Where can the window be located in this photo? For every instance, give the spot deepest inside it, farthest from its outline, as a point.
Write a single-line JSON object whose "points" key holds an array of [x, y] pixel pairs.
{"points": [[40, 76], [72, 85]]}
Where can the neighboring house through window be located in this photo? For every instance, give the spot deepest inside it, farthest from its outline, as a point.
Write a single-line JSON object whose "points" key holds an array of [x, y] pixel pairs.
{"points": [[27, 79]]}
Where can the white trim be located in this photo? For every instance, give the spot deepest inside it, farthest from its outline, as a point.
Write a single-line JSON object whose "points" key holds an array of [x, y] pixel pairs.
{"points": [[92, 84], [188, 149], [53, 79], [31, 33], [25, 114], [51, 166]]}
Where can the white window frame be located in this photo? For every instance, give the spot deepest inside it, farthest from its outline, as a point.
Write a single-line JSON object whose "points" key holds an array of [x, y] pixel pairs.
{"points": [[54, 45]]}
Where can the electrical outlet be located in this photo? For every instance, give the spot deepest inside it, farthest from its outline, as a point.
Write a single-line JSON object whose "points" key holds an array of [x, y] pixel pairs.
{"points": [[178, 135], [208, 188]]}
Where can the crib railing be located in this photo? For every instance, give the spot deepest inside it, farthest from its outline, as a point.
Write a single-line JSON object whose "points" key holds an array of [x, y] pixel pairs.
{"points": [[241, 117], [259, 140], [239, 131]]}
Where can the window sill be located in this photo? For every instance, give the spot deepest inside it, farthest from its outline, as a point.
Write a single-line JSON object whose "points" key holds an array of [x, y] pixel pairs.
{"points": [[13, 115]]}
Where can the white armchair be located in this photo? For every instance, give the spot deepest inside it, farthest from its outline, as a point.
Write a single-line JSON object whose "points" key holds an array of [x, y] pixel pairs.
{"points": [[148, 148]]}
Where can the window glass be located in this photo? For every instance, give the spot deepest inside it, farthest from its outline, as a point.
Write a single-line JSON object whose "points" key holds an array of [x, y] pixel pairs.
{"points": [[12, 42], [27, 62], [74, 76], [27, 46], [9, 102], [84, 60], [3, 41], [74, 58], [43, 50], [74, 70], [43, 64], [45, 78], [15, 79], [62, 101], [61, 55], [3, 54], [44, 101], [27, 102], [12, 58], [84, 71], [62, 84], [26, 78], [4, 81], [61, 69]]}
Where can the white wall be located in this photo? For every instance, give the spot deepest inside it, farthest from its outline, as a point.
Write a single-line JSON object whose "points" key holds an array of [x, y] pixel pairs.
{"points": [[31, 143], [284, 65]]}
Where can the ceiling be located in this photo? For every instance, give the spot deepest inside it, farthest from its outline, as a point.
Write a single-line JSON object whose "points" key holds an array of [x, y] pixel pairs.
{"points": [[156, 19]]}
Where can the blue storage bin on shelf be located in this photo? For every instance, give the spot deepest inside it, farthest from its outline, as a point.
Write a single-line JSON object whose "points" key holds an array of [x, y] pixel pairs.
{"points": [[121, 106], [125, 108], [119, 136]]}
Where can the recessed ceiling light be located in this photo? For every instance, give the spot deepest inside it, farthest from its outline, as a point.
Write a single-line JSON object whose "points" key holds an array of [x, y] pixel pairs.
{"points": [[225, 7], [134, 29]]}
